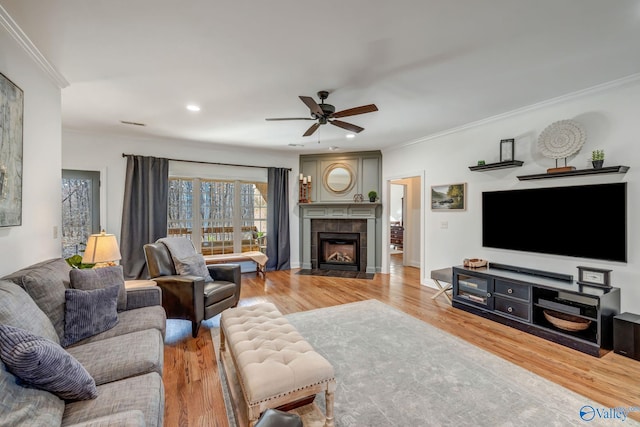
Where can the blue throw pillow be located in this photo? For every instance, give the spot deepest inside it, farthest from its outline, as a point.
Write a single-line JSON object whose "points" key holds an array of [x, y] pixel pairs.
{"points": [[43, 364], [88, 313]]}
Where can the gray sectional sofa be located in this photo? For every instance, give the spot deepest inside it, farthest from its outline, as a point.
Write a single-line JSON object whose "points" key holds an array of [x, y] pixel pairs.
{"points": [[126, 361]]}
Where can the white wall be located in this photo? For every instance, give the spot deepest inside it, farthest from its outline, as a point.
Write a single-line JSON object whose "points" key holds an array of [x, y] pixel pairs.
{"points": [[103, 152], [34, 240], [610, 116]]}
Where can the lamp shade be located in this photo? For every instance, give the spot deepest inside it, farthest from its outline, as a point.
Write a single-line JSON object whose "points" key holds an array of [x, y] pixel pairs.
{"points": [[101, 248]]}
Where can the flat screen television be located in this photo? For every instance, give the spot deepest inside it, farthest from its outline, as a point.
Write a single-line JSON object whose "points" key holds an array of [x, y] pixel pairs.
{"points": [[586, 221]]}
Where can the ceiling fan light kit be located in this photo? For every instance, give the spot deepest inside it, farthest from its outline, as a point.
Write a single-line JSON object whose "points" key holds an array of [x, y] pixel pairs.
{"points": [[326, 113]]}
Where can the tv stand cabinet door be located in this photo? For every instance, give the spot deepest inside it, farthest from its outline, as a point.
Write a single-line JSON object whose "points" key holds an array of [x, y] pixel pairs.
{"points": [[470, 289]]}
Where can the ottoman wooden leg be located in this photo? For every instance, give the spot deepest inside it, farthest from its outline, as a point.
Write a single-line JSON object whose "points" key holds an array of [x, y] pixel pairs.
{"points": [[329, 395], [253, 413], [222, 339]]}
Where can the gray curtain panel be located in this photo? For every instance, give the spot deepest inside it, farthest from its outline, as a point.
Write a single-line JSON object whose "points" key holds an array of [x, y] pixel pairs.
{"points": [[278, 246], [144, 213]]}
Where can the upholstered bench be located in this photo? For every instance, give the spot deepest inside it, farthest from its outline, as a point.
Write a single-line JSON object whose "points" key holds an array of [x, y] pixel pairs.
{"points": [[275, 365], [258, 257]]}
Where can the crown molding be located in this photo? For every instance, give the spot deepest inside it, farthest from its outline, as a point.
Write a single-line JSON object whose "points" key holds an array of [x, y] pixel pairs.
{"points": [[549, 102], [32, 51]]}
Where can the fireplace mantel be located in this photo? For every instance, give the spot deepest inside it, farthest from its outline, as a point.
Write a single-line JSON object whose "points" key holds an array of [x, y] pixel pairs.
{"points": [[336, 210]]}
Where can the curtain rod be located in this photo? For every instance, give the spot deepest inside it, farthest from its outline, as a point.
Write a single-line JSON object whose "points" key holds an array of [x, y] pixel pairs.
{"points": [[211, 163]]}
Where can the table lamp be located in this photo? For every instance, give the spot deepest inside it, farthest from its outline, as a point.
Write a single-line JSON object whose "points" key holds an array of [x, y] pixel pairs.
{"points": [[102, 250]]}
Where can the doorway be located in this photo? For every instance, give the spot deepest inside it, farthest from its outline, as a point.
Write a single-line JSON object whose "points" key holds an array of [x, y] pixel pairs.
{"points": [[405, 222], [396, 218]]}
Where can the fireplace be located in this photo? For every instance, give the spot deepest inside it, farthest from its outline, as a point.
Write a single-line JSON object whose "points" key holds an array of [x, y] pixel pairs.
{"points": [[341, 222], [339, 251]]}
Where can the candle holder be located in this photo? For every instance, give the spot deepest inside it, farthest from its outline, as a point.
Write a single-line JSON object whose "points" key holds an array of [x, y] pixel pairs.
{"points": [[304, 193]]}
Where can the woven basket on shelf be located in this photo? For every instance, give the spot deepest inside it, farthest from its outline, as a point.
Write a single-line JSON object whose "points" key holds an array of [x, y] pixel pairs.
{"points": [[474, 262], [566, 322]]}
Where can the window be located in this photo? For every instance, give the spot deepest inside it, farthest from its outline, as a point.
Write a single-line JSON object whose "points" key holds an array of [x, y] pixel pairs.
{"points": [[80, 209], [232, 214]]}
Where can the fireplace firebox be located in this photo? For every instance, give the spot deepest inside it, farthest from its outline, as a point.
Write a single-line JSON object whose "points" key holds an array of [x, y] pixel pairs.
{"points": [[339, 251]]}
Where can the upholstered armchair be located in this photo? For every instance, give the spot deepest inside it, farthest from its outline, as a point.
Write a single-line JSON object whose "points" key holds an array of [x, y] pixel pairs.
{"points": [[190, 297]]}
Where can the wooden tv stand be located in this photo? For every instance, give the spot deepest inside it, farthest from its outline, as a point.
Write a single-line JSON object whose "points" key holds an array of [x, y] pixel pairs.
{"points": [[519, 300]]}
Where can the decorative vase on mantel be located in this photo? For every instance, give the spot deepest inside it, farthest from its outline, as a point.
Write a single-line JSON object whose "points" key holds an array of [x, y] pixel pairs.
{"points": [[597, 164]]}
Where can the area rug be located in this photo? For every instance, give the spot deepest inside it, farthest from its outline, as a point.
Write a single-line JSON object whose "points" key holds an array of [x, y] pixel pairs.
{"points": [[395, 370], [336, 273]]}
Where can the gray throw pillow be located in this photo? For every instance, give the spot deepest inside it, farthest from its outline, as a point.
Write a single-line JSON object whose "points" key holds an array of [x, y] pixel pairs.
{"points": [[88, 313], [89, 279], [46, 282], [18, 309], [193, 266], [43, 364]]}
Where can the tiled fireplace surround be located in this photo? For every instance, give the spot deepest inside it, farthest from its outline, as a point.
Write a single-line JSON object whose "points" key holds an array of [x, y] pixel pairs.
{"points": [[356, 226], [339, 217]]}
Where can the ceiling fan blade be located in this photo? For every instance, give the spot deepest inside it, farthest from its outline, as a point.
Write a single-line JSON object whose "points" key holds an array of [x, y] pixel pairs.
{"points": [[347, 126], [313, 105], [312, 129], [289, 118], [356, 110]]}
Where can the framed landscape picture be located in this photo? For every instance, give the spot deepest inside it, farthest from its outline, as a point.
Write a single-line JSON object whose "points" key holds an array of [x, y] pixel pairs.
{"points": [[450, 197], [11, 111]]}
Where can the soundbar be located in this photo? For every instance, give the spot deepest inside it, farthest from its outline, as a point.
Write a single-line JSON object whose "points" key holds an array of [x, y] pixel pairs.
{"points": [[533, 272]]}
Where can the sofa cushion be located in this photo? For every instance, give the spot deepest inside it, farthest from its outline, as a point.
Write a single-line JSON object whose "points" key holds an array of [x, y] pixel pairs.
{"points": [[120, 357], [89, 312], [43, 364], [46, 282], [19, 310], [134, 418], [97, 278], [131, 321], [21, 406], [144, 393]]}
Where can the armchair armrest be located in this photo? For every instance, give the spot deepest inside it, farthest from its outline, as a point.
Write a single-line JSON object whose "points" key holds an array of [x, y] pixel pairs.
{"points": [[228, 272], [182, 296], [143, 297]]}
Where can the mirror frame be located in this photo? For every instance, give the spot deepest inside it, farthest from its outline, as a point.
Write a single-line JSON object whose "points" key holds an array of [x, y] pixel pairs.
{"points": [[331, 168]]}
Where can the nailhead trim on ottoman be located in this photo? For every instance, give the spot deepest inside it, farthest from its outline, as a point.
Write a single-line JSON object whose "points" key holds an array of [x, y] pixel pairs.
{"points": [[274, 363]]}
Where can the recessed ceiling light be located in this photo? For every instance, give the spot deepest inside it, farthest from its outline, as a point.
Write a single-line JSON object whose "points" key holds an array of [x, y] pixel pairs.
{"points": [[351, 135], [296, 145], [193, 107]]}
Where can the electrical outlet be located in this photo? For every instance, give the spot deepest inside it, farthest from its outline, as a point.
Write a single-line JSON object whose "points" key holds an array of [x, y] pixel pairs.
{"points": [[55, 231], [444, 224]]}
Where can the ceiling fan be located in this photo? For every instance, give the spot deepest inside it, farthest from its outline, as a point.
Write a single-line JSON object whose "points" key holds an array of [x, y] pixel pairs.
{"points": [[326, 113]]}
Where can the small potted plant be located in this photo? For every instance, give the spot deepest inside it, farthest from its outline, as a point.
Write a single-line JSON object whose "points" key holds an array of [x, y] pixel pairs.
{"points": [[372, 196], [597, 158]]}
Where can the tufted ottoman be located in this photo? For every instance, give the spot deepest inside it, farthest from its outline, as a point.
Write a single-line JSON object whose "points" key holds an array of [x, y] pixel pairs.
{"points": [[274, 363]]}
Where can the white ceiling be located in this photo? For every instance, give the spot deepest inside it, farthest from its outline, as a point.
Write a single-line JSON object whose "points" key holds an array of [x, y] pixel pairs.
{"points": [[429, 65]]}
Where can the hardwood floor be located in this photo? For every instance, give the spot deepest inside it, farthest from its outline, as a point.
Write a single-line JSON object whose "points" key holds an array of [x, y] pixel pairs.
{"points": [[193, 395]]}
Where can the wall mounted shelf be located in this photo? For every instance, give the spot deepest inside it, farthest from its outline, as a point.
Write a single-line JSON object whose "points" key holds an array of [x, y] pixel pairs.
{"points": [[577, 172], [499, 165]]}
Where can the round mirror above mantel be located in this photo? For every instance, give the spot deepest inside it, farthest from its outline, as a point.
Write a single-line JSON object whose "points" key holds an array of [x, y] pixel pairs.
{"points": [[338, 178]]}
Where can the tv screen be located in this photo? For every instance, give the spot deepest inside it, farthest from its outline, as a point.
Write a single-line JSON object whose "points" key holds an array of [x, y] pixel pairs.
{"points": [[586, 221]]}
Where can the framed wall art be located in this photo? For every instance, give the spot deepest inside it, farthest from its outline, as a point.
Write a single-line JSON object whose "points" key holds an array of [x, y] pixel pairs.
{"points": [[451, 197], [507, 150], [11, 117]]}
